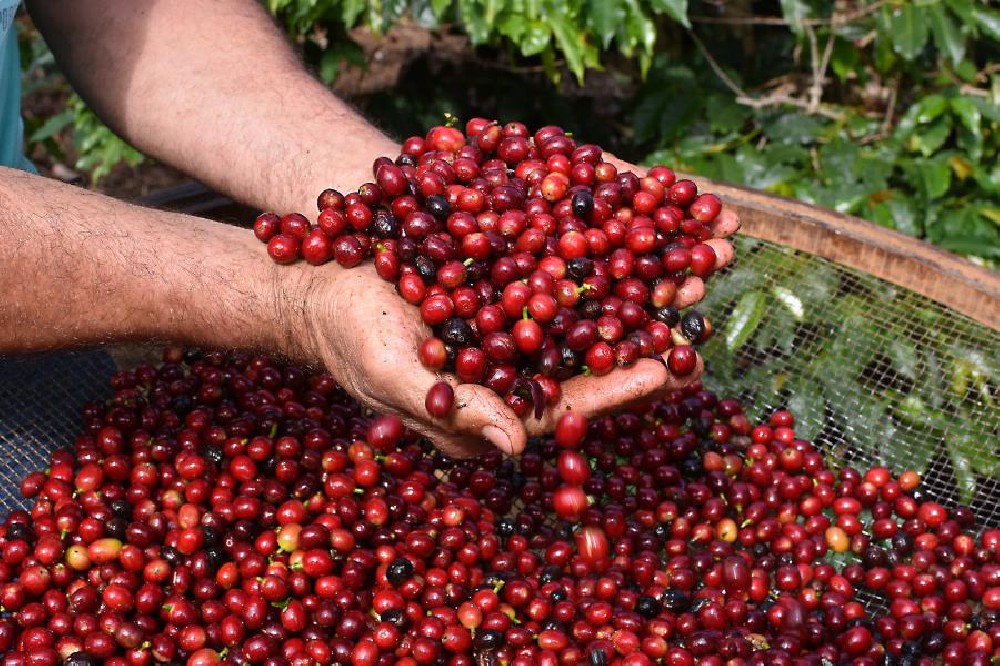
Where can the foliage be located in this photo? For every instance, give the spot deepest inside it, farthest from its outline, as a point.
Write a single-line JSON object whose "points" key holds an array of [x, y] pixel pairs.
{"points": [[578, 32], [817, 135], [99, 149], [912, 385]]}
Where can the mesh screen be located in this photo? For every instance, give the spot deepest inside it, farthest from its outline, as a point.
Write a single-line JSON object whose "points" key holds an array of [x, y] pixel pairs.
{"points": [[874, 373], [40, 410]]}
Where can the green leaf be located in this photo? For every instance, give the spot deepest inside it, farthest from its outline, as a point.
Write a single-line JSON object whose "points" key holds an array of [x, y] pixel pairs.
{"points": [[928, 140], [909, 30], [724, 114], [745, 319], [989, 180], [988, 21], [675, 9], [845, 60], [839, 159], [962, 9], [904, 358], [949, 39], [351, 12], [492, 8], [980, 452], [794, 11], [570, 42], [935, 176], [512, 26], [809, 407], [898, 213], [475, 24], [969, 114], [794, 128], [913, 448], [605, 17], [988, 109], [930, 108], [329, 66], [639, 29], [53, 125], [962, 450], [970, 245], [439, 7], [885, 54], [536, 38]]}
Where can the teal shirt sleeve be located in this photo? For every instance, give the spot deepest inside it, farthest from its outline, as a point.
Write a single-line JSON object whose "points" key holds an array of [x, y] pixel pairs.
{"points": [[11, 124]]}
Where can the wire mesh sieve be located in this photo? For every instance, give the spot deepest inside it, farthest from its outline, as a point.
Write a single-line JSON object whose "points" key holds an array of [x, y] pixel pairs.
{"points": [[40, 410], [875, 373]]}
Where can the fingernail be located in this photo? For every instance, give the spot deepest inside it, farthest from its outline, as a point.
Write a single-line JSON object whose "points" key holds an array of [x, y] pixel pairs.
{"points": [[499, 439]]}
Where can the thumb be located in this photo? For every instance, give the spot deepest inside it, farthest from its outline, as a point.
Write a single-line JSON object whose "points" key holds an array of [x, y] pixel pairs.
{"points": [[479, 412]]}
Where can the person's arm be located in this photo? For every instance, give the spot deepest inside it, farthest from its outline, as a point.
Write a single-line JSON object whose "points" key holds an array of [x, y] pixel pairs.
{"points": [[82, 269], [214, 89]]}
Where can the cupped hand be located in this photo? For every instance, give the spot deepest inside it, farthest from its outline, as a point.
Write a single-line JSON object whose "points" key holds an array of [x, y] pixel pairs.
{"points": [[648, 379], [368, 338]]}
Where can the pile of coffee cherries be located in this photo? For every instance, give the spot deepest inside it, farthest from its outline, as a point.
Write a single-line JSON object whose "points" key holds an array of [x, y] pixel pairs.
{"points": [[229, 509], [530, 257]]}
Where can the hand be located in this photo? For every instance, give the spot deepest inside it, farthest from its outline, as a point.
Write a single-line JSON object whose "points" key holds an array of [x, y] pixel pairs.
{"points": [[648, 379], [368, 337]]}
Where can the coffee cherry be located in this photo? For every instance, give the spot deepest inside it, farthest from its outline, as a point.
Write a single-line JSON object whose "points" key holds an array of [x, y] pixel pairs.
{"points": [[563, 238], [695, 327], [266, 226], [681, 518], [283, 249], [681, 361], [571, 428], [440, 400]]}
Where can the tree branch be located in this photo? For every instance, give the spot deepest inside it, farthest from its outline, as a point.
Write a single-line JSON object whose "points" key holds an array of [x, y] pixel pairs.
{"points": [[835, 19]]}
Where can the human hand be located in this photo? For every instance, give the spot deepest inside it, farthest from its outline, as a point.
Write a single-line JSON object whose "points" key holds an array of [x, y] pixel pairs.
{"points": [[692, 290], [648, 379], [368, 337]]}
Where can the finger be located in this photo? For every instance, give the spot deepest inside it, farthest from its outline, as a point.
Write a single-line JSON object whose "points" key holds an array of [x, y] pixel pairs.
{"points": [[482, 414], [723, 252], [479, 419], [689, 292], [592, 395], [726, 224], [470, 429]]}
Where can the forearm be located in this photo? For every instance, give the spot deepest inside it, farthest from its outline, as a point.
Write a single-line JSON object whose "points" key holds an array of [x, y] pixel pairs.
{"points": [[82, 269], [214, 89]]}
